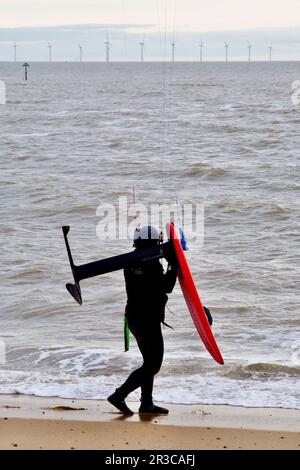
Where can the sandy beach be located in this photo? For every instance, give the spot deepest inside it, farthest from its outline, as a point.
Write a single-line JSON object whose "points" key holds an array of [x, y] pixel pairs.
{"points": [[52, 423]]}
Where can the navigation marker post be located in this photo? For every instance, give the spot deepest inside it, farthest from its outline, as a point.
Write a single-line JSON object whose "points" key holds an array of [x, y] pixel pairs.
{"points": [[26, 65]]}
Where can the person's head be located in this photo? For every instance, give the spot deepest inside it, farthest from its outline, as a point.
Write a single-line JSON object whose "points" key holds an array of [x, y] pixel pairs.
{"points": [[146, 237]]}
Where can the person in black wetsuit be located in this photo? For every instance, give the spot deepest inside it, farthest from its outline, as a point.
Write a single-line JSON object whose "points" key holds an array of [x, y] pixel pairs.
{"points": [[147, 287]]}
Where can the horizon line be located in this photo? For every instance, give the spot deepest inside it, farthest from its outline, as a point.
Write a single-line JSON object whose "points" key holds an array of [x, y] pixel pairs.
{"points": [[148, 25], [157, 61]]}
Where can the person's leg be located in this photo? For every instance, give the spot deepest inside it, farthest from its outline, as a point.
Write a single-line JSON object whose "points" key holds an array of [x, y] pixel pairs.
{"points": [[153, 357], [153, 352], [150, 341], [147, 390]]}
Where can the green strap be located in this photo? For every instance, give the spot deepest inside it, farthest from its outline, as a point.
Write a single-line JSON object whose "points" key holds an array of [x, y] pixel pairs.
{"points": [[126, 334]]}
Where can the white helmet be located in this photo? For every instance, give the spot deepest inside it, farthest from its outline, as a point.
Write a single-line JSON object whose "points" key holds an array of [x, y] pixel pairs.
{"points": [[146, 236]]}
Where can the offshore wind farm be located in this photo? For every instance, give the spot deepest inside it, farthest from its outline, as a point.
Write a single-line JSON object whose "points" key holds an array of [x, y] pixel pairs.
{"points": [[120, 46], [141, 57]]}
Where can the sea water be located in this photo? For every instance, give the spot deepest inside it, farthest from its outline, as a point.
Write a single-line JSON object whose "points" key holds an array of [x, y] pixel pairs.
{"points": [[224, 136]]}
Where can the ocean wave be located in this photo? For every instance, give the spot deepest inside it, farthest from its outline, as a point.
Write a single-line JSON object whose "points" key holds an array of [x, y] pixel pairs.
{"points": [[261, 371], [204, 170], [115, 145], [30, 134], [187, 85], [276, 209], [193, 389]]}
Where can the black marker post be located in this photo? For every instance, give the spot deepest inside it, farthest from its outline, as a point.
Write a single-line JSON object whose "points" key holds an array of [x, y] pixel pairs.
{"points": [[26, 65]]}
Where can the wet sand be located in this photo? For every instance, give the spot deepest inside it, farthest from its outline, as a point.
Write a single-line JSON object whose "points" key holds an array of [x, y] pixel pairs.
{"points": [[52, 423]]}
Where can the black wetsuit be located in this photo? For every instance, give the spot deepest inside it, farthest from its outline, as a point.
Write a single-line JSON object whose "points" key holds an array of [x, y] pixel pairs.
{"points": [[147, 287]]}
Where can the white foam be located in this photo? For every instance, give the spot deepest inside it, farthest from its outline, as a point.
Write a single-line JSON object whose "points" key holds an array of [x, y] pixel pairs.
{"points": [[205, 388]]}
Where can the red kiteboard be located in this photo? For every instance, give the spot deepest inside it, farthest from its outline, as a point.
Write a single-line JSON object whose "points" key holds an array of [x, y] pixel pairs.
{"points": [[193, 300]]}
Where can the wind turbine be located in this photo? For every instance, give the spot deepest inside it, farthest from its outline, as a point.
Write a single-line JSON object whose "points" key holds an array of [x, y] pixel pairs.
{"points": [[50, 51], [142, 45], [226, 52], [80, 53], [15, 52], [173, 52], [107, 44], [270, 52], [201, 51], [249, 52]]}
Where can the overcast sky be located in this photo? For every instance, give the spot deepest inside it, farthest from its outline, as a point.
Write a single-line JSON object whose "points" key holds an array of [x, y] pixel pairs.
{"points": [[127, 21], [205, 15]]}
